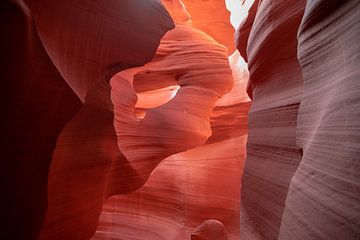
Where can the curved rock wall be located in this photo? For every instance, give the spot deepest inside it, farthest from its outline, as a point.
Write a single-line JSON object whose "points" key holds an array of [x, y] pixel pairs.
{"points": [[275, 84], [85, 120], [186, 189], [80, 37], [323, 201], [196, 185], [212, 18], [46, 44], [36, 104], [122, 150], [301, 176]]}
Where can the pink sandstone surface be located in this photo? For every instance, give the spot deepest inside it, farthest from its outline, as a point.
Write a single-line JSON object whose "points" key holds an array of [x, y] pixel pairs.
{"points": [[139, 120], [323, 198], [275, 85], [301, 176], [186, 188], [83, 43]]}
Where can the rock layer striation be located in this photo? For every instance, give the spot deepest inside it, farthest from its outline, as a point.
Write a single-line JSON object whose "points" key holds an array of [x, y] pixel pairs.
{"points": [[301, 176]]}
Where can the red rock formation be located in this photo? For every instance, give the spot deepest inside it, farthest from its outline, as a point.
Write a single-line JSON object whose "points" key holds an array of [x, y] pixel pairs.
{"points": [[229, 118], [178, 192], [82, 41], [180, 123], [168, 138], [212, 18], [211, 229], [36, 104], [173, 127], [186, 189], [87, 164], [81, 37]]}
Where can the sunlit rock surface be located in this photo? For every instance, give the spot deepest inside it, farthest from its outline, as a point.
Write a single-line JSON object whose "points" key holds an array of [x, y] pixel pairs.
{"points": [[146, 134], [124, 120], [186, 189], [183, 122], [201, 183], [212, 17]]}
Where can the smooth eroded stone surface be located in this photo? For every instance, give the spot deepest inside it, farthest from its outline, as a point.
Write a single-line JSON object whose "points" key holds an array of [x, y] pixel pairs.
{"points": [[211, 229], [86, 39], [106, 149], [36, 104], [212, 17], [323, 201], [183, 191], [201, 183], [275, 85], [183, 122], [82, 41]]}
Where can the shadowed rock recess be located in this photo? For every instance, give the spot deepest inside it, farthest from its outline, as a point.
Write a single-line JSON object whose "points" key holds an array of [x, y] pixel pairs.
{"points": [[180, 119]]}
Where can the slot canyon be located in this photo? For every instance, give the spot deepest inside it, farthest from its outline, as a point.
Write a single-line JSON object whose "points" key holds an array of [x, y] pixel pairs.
{"points": [[180, 120]]}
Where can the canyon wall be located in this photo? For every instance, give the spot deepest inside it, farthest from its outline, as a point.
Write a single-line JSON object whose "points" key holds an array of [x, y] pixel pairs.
{"points": [[301, 176], [194, 194], [323, 201], [201, 183], [92, 137], [36, 104], [129, 119], [212, 17], [275, 85], [53, 52]]}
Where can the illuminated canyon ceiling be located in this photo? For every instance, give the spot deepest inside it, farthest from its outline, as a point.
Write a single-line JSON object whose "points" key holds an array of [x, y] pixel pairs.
{"points": [[180, 120]]}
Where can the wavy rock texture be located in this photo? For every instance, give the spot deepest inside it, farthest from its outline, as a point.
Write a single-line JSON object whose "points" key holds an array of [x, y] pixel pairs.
{"points": [[183, 191], [180, 124], [80, 37], [301, 176], [323, 200], [183, 61], [168, 138], [125, 129], [186, 189], [275, 84], [212, 18], [80, 42]]}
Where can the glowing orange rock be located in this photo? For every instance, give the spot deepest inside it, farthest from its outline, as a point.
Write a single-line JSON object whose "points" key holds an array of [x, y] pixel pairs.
{"points": [[117, 153], [213, 18], [87, 45], [191, 186]]}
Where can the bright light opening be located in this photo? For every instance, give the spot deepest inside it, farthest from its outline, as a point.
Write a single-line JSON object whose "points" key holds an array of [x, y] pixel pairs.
{"points": [[239, 10]]}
